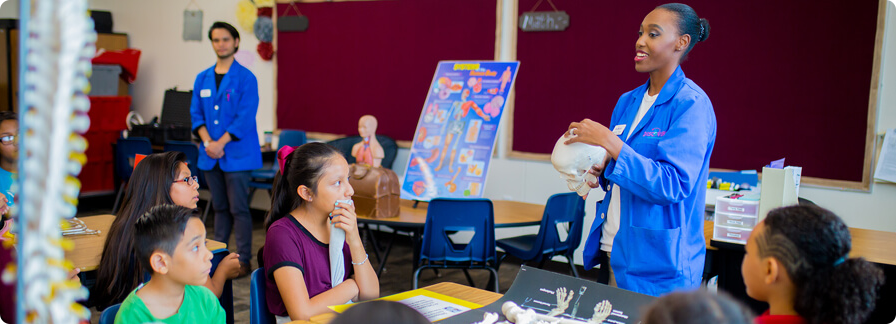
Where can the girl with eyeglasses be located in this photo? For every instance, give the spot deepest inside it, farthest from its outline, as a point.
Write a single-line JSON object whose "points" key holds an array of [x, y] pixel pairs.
{"points": [[9, 158], [161, 178]]}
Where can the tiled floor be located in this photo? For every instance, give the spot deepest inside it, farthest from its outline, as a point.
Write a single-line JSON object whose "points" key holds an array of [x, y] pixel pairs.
{"points": [[396, 277]]}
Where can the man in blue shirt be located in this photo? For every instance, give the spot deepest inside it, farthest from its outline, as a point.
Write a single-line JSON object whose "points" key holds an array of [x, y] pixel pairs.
{"points": [[225, 101]]}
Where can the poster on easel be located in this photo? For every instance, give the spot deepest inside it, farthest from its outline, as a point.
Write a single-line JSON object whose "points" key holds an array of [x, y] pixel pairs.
{"points": [[455, 136]]}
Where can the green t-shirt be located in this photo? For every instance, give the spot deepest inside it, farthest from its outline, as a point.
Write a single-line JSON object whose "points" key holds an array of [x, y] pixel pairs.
{"points": [[200, 306]]}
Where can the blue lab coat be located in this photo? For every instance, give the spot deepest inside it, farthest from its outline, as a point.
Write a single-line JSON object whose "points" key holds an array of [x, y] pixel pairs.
{"points": [[229, 108], [661, 171]]}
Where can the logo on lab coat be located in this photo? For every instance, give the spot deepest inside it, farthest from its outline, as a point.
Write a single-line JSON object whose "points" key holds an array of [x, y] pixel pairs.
{"points": [[656, 132]]}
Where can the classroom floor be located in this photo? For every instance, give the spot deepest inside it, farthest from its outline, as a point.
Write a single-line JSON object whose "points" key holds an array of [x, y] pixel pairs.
{"points": [[396, 277]]}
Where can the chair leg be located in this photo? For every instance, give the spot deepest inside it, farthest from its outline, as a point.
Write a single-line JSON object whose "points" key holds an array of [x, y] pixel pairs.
{"points": [[494, 273], [417, 275], [118, 198], [543, 260], [208, 205], [469, 279], [572, 266], [251, 193]]}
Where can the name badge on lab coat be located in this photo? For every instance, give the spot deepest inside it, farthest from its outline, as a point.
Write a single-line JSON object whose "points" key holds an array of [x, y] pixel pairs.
{"points": [[205, 93], [618, 129]]}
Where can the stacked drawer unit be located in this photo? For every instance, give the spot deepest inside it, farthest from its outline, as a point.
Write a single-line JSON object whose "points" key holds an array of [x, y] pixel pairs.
{"points": [[735, 217]]}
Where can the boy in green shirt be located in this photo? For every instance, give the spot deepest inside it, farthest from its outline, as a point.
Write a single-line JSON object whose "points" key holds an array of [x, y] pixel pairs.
{"points": [[170, 243]]}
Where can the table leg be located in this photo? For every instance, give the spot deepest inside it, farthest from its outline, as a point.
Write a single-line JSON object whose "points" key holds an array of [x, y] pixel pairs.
{"points": [[417, 241], [368, 236], [386, 254]]}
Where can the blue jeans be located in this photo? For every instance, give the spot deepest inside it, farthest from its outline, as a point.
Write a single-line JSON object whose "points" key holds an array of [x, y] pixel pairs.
{"points": [[230, 201]]}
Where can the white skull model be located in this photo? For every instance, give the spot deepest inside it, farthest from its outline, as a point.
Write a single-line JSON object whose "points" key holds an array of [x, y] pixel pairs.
{"points": [[573, 162]]}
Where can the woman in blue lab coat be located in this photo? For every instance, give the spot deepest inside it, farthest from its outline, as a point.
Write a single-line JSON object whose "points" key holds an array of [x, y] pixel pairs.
{"points": [[649, 227]]}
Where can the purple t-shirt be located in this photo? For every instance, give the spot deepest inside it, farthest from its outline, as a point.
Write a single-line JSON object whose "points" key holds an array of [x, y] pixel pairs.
{"points": [[289, 244]]}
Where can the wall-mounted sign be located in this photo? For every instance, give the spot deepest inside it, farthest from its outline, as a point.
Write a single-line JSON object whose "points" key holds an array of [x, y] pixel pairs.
{"points": [[544, 21]]}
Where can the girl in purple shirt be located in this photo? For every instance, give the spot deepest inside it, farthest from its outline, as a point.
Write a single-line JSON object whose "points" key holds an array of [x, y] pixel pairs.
{"points": [[296, 259]]}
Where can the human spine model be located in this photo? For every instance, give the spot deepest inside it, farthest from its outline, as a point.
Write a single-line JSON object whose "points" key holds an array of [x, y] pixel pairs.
{"points": [[59, 48]]}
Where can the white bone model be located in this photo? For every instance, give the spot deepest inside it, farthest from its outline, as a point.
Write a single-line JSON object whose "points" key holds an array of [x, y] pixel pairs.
{"points": [[59, 46], [573, 162], [517, 315]]}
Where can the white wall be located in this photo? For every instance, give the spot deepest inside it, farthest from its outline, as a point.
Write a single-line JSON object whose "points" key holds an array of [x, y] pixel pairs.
{"points": [[9, 9], [887, 112], [169, 61]]}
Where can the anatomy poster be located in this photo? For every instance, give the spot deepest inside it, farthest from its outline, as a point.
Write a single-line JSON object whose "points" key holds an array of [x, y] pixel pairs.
{"points": [[455, 135], [543, 296]]}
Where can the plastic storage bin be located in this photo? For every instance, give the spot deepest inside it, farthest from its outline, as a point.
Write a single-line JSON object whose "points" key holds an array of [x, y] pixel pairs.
{"points": [[97, 177], [735, 220], [737, 206], [731, 234], [104, 80], [109, 113]]}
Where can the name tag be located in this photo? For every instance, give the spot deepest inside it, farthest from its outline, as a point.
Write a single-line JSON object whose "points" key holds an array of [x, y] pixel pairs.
{"points": [[618, 129], [205, 93]]}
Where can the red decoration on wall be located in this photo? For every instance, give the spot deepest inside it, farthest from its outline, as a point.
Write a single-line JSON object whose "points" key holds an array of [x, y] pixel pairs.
{"points": [[374, 57], [266, 50], [265, 11], [770, 100]]}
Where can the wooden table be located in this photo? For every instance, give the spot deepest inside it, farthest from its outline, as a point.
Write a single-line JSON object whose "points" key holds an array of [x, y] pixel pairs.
{"points": [[470, 294], [876, 246], [412, 220], [89, 248]]}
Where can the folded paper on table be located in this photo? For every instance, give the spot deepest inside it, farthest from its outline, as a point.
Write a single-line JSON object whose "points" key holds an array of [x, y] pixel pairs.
{"points": [[886, 162], [778, 190]]}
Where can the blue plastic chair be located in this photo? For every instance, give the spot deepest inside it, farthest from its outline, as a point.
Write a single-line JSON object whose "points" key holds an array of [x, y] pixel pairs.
{"points": [[345, 144], [125, 150], [191, 150], [563, 208], [447, 216], [258, 307], [226, 298], [264, 178], [108, 314]]}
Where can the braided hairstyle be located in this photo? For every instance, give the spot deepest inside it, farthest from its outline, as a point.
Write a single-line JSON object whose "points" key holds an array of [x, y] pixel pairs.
{"points": [[813, 245], [688, 24]]}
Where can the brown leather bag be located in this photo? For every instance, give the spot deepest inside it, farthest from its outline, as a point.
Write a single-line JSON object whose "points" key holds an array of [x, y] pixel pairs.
{"points": [[377, 191]]}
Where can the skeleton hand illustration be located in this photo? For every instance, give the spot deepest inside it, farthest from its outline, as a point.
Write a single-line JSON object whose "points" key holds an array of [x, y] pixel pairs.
{"points": [[562, 301], [488, 318], [601, 311]]}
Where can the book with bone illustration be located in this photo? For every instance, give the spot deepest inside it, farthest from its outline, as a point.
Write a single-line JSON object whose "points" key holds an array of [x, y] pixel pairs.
{"points": [[539, 296]]}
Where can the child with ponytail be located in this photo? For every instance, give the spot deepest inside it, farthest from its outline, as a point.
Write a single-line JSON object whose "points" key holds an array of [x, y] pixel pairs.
{"points": [[311, 202], [798, 261]]}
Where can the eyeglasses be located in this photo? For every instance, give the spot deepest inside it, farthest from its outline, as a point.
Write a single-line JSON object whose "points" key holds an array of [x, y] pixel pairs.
{"points": [[189, 180], [7, 140]]}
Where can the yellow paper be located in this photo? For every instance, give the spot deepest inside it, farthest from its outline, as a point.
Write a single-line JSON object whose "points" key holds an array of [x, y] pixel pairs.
{"points": [[413, 293]]}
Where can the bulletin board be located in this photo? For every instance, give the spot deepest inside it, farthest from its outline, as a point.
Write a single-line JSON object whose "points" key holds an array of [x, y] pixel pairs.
{"points": [[374, 57], [787, 79]]}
